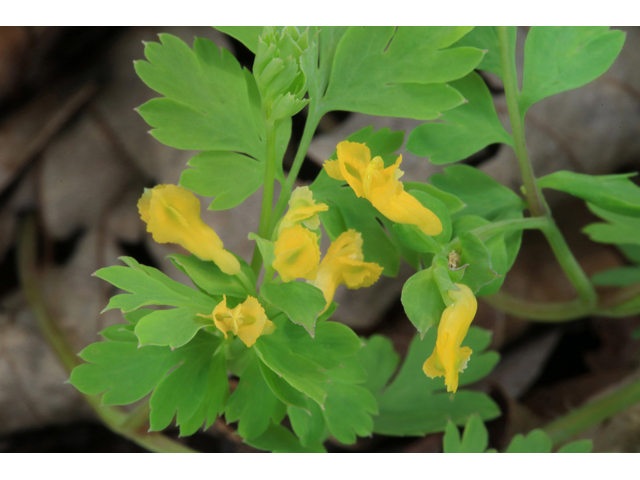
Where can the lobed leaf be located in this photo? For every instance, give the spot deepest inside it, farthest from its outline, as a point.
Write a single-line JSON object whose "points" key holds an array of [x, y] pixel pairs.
{"points": [[300, 301], [461, 131]]}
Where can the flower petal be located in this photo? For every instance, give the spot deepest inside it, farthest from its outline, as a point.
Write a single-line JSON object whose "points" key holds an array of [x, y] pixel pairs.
{"points": [[297, 254], [172, 215]]}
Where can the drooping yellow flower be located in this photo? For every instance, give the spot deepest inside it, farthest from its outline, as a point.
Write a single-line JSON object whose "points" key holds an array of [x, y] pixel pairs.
{"points": [[247, 320], [343, 265], [297, 254], [448, 358], [303, 210], [172, 215], [381, 186]]}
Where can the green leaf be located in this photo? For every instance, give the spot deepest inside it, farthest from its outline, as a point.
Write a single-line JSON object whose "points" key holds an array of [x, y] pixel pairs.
{"points": [[557, 59], [579, 446], [127, 373], [413, 404], [228, 176], [281, 389], [451, 440], [486, 38], [620, 229], [475, 255], [535, 442], [483, 195], [308, 423], [267, 248], [208, 276], [422, 300], [463, 130], [247, 35], [453, 203], [398, 72], [631, 252], [206, 105], [149, 286], [253, 403], [173, 328], [380, 361], [349, 407], [278, 439], [196, 391], [475, 438], [617, 277], [300, 301], [615, 193], [499, 264]]}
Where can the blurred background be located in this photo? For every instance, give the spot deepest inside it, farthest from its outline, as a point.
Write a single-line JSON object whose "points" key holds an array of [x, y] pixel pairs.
{"points": [[75, 157]]}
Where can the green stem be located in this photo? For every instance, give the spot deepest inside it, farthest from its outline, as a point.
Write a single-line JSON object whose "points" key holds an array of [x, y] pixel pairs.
{"points": [[264, 226], [127, 425], [593, 413], [509, 77], [570, 265], [542, 312], [498, 228], [535, 200], [310, 126]]}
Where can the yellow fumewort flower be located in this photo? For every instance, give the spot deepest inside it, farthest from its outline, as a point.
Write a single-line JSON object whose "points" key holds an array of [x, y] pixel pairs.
{"points": [[343, 265], [448, 358], [303, 210], [172, 215], [371, 180], [297, 253], [247, 320]]}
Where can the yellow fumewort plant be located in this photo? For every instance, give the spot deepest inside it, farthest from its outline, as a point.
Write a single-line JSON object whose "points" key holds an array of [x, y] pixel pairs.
{"points": [[247, 320], [172, 215], [297, 254], [448, 358], [303, 210], [344, 265], [371, 180]]}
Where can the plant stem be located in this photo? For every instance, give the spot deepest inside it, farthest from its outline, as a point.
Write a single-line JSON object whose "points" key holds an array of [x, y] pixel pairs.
{"points": [[593, 413], [127, 425], [310, 126], [503, 226], [543, 312], [535, 200], [267, 196], [532, 192]]}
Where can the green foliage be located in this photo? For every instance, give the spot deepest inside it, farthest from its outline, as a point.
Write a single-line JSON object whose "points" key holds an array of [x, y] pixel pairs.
{"points": [[475, 440], [252, 403], [199, 86], [617, 277], [615, 193], [476, 256], [247, 35], [125, 373], [422, 300], [413, 404], [149, 286], [171, 328], [302, 302], [619, 229], [208, 277], [398, 72], [278, 439], [463, 130], [557, 59], [228, 176]]}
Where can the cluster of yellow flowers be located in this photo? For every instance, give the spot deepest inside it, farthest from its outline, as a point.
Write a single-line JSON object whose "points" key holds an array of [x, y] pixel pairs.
{"points": [[172, 215]]}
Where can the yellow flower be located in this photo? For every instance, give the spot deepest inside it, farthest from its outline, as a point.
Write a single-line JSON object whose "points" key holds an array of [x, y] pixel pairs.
{"points": [[448, 358], [297, 253], [172, 215], [371, 180], [302, 210], [247, 320], [343, 265]]}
